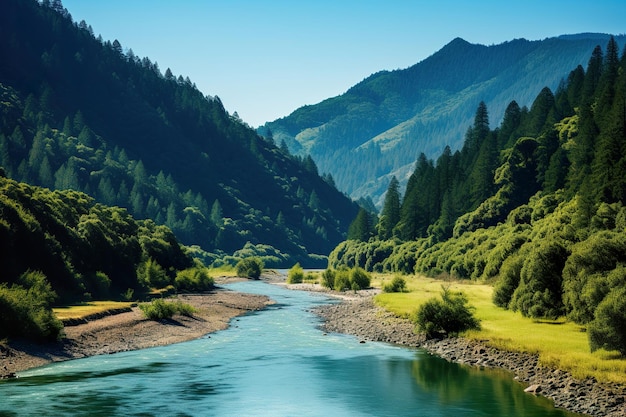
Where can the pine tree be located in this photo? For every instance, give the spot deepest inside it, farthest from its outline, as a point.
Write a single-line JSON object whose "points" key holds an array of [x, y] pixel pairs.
{"points": [[607, 82], [362, 227], [390, 215], [45, 175], [217, 216]]}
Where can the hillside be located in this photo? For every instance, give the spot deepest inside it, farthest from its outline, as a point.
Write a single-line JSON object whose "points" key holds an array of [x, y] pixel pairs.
{"points": [[379, 126], [78, 112], [535, 206], [62, 247]]}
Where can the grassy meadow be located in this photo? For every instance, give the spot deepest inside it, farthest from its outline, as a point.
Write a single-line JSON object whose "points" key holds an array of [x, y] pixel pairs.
{"points": [[559, 344], [86, 309]]}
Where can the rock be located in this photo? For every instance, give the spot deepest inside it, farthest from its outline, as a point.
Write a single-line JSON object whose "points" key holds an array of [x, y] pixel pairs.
{"points": [[368, 322], [533, 389]]}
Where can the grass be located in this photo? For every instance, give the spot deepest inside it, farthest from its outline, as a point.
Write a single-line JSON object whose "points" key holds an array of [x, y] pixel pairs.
{"points": [[559, 344], [83, 310], [222, 271]]}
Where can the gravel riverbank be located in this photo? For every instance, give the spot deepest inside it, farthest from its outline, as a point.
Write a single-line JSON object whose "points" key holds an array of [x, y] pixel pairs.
{"points": [[359, 316]]}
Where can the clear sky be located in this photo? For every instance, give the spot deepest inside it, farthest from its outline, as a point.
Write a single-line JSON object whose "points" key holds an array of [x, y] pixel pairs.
{"points": [[265, 58]]}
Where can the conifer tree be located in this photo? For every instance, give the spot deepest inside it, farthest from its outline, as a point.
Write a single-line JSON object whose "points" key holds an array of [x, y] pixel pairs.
{"points": [[390, 214], [362, 227]]}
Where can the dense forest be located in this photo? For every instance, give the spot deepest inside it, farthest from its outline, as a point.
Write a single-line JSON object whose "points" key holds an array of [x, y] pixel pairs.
{"points": [[62, 247], [535, 206], [377, 128], [81, 113]]}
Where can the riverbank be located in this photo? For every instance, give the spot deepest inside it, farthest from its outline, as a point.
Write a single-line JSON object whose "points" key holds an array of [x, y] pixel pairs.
{"points": [[130, 330], [359, 316]]}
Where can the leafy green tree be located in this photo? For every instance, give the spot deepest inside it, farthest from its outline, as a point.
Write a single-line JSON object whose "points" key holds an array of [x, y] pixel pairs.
{"points": [[539, 294], [608, 329]]}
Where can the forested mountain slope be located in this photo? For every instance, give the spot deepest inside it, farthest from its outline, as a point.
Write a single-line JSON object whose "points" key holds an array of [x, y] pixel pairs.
{"points": [[379, 126], [536, 206], [77, 112]]}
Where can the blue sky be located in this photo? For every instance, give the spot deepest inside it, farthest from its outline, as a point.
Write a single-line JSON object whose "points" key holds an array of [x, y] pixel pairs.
{"points": [[266, 58]]}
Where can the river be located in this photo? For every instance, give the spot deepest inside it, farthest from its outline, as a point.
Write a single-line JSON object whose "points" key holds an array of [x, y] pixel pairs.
{"points": [[274, 362]]}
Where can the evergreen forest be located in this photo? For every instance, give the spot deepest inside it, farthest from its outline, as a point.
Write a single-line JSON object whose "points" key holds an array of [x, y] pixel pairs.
{"points": [[535, 206], [377, 128], [81, 113]]}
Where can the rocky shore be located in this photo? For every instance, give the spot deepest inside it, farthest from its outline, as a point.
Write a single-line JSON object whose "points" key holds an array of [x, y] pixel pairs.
{"points": [[130, 330], [359, 316]]}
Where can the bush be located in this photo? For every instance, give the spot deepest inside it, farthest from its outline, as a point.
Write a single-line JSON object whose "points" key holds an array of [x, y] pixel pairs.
{"points": [[160, 309], [359, 279], [295, 274], [328, 278], [509, 280], [25, 309], [342, 280], [193, 279], [152, 275], [450, 315], [608, 329], [249, 268], [398, 284]]}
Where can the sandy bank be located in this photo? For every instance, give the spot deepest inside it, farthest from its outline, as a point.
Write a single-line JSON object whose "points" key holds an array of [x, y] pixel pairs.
{"points": [[131, 331]]}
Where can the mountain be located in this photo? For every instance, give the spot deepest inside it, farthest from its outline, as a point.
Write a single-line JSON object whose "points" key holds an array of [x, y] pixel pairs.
{"points": [[535, 207], [78, 112], [379, 127]]}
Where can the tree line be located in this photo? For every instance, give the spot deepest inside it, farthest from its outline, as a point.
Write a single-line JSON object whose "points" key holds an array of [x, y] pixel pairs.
{"points": [[535, 205]]}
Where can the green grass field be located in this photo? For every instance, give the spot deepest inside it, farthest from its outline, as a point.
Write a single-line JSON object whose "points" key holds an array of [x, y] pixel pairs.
{"points": [[559, 344], [84, 310]]}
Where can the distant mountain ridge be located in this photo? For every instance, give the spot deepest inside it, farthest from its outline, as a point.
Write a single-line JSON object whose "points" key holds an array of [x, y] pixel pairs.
{"points": [[379, 127]]}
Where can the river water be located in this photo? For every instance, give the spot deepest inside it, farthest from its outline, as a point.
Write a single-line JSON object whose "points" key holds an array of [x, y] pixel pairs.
{"points": [[274, 362]]}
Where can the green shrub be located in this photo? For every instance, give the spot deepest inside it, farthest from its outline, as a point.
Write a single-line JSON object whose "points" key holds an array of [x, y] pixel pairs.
{"points": [[193, 279], [328, 278], [397, 284], [608, 329], [449, 315], [508, 281], [359, 279], [160, 309], [295, 274], [184, 309], [25, 309], [249, 268], [342, 280], [152, 275]]}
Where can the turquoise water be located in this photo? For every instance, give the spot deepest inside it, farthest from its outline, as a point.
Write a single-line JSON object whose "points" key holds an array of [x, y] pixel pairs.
{"points": [[274, 362]]}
